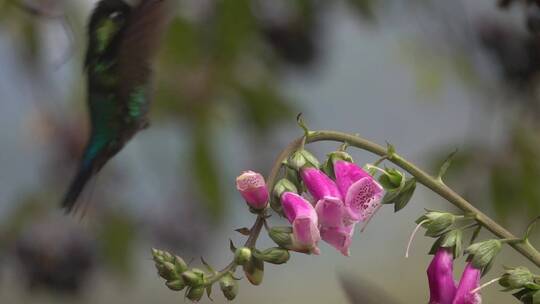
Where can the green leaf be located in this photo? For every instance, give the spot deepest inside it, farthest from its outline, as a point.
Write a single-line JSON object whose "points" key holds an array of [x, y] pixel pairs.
{"points": [[446, 164], [405, 195]]}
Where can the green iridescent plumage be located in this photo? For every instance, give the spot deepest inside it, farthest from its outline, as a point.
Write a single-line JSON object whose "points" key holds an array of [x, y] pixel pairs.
{"points": [[122, 40]]}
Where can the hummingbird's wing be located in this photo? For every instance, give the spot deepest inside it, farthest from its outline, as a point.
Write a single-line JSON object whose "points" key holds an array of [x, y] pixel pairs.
{"points": [[140, 42]]}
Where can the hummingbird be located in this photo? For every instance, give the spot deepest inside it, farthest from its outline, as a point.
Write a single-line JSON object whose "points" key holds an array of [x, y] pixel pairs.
{"points": [[123, 39]]}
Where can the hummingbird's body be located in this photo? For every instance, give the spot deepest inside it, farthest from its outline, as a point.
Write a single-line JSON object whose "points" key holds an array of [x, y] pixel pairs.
{"points": [[123, 40]]}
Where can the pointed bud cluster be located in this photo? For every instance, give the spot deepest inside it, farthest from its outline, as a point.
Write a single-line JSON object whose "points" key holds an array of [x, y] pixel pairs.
{"points": [[436, 222], [170, 268], [229, 286], [252, 187]]}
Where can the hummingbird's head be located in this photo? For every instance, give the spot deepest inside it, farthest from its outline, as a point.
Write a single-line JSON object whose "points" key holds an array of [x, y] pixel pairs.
{"points": [[106, 23]]}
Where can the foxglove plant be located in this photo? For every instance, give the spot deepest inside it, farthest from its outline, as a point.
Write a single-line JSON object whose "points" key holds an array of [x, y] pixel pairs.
{"points": [[326, 202]]}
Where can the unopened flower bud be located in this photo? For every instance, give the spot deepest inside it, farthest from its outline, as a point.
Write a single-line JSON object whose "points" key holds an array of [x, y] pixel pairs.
{"points": [[180, 264], [282, 236], [483, 253], [195, 293], [229, 287], [242, 255], [254, 270], [302, 159], [436, 222], [168, 271], [282, 186], [274, 255], [194, 277], [517, 278], [176, 284], [253, 189]]}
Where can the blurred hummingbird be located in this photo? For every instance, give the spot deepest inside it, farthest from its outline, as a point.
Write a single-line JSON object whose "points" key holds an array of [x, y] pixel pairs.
{"points": [[123, 38]]}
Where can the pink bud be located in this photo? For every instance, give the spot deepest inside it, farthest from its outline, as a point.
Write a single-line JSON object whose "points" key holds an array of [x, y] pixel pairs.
{"points": [[253, 189], [339, 237], [470, 280], [303, 217], [363, 199], [331, 212], [319, 184], [442, 287], [347, 173]]}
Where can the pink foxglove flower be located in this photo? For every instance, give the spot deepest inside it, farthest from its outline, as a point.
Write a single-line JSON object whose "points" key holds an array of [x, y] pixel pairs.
{"points": [[303, 218], [318, 184], [442, 287], [253, 189], [361, 191], [470, 280], [331, 212], [339, 237]]}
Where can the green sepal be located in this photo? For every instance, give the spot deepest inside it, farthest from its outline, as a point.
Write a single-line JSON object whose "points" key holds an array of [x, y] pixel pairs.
{"points": [[482, 254], [176, 285], [392, 179], [517, 278], [302, 159], [528, 296], [436, 223], [452, 239], [405, 195]]}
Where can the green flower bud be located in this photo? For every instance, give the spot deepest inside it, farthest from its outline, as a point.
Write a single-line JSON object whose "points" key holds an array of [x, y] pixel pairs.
{"points": [[282, 186], [176, 284], [517, 278], [195, 293], [436, 222], [301, 159], [274, 255], [180, 264], [483, 253], [242, 255], [254, 270], [392, 179], [229, 287], [282, 236], [167, 271], [167, 257], [194, 277]]}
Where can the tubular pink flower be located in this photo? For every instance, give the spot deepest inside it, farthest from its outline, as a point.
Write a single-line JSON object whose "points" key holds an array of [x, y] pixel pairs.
{"points": [[331, 212], [319, 184], [442, 287], [303, 218], [363, 199], [347, 173], [470, 280], [253, 189], [339, 237], [362, 193]]}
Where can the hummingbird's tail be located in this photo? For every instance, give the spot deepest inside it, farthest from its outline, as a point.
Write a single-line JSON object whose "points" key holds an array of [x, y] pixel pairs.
{"points": [[84, 174]]}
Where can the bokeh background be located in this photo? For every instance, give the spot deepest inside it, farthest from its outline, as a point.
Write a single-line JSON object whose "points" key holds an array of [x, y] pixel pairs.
{"points": [[429, 76]]}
